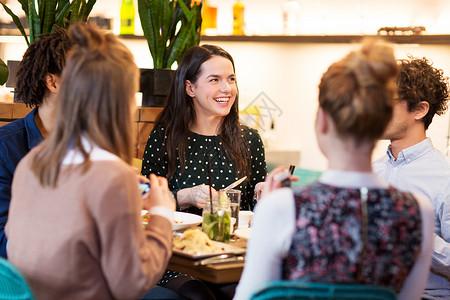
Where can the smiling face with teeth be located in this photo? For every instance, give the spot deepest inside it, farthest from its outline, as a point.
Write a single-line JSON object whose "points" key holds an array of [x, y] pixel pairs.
{"points": [[215, 90]]}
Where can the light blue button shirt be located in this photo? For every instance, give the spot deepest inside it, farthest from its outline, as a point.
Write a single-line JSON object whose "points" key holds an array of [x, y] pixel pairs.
{"points": [[421, 169]]}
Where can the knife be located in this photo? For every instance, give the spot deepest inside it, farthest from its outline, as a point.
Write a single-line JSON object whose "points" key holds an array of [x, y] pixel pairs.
{"points": [[220, 259], [236, 183]]}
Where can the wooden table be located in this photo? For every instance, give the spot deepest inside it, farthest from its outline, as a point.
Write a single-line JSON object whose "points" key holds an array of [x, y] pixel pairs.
{"points": [[217, 273]]}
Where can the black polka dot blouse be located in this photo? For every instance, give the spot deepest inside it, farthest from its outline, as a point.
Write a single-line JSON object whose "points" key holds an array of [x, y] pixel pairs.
{"points": [[223, 171]]}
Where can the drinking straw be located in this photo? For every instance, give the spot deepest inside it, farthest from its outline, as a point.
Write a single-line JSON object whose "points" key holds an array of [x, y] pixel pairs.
{"points": [[291, 169], [209, 181]]}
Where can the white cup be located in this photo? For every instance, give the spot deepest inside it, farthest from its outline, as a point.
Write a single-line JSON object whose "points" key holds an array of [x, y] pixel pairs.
{"points": [[245, 218]]}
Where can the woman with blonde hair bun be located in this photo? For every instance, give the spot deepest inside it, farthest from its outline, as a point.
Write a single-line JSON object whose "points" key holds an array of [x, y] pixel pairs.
{"points": [[349, 226], [74, 226]]}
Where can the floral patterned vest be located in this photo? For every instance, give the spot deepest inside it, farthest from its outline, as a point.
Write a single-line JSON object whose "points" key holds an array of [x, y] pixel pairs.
{"points": [[329, 246]]}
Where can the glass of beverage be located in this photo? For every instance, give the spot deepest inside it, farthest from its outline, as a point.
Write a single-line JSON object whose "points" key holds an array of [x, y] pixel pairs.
{"points": [[217, 223], [234, 197]]}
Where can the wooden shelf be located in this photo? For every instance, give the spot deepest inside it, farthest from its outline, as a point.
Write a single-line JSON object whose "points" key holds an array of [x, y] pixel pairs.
{"points": [[431, 39], [443, 39], [335, 39]]}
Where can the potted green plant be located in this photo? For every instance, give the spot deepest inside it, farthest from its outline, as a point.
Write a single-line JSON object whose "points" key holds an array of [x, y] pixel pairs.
{"points": [[170, 28], [49, 13], [42, 18]]}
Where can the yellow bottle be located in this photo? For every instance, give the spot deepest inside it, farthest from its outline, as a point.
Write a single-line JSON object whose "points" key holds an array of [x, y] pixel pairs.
{"points": [[209, 17], [238, 18], [127, 17]]}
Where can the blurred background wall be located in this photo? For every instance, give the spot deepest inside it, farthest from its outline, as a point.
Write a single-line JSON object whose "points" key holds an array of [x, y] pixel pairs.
{"points": [[281, 79]]}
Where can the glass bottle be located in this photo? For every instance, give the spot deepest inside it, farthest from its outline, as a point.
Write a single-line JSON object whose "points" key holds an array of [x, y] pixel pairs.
{"points": [[291, 10], [127, 17], [238, 18], [209, 17]]}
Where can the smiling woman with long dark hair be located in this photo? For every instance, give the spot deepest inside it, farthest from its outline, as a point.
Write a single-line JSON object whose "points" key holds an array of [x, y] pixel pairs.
{"points": [[197, 133], [201, 117]]}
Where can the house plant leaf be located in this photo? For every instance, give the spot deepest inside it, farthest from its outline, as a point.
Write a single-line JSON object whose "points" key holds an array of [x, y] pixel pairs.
{"points": [[188, 35], [33, 22], [75, 10], [49, 13], [146, 9], [170, 28], [4, 72], [16, 21], [62, 19], [86, 8], [24, 4]]}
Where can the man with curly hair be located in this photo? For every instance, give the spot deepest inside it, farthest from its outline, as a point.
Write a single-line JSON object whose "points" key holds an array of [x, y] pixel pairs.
{"points": [[414, 165], [37, 83]]}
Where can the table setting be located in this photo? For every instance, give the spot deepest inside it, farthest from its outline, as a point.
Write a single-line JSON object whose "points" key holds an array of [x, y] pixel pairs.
{"points": [[211, 247]]}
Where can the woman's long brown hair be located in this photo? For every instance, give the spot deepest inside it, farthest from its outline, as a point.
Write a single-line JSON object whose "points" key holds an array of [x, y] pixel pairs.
{"points": [[95, 102], [179, 116]]}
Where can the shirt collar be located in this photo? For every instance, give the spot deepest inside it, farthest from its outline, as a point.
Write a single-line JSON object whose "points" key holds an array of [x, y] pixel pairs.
{"points": [[96, 153], [412, 153], [350, 179], [33, 133]]}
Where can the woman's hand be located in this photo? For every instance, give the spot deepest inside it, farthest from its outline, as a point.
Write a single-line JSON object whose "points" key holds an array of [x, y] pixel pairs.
{"points": [[271, 183], [258, 190], [195, 196], [159, 194]]}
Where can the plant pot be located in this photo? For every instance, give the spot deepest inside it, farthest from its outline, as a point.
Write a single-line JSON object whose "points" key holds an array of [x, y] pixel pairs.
{"points": [[155, 86]]}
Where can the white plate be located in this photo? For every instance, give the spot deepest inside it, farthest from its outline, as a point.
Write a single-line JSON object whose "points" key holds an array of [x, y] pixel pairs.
{"points": [[182, 220], [226, 249], [185, 220], [243, 233]]}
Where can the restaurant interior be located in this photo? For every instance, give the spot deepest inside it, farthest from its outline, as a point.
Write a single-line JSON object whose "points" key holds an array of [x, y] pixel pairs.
{"points": [[278, 69]]}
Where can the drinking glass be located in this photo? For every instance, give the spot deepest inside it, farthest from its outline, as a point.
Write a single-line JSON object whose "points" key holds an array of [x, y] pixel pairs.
{"points": [[234, 197], [217, 224]]}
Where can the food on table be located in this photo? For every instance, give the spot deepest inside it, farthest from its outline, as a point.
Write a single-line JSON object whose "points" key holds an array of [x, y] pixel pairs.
{"points": [[194, 241], [145, 218]]}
